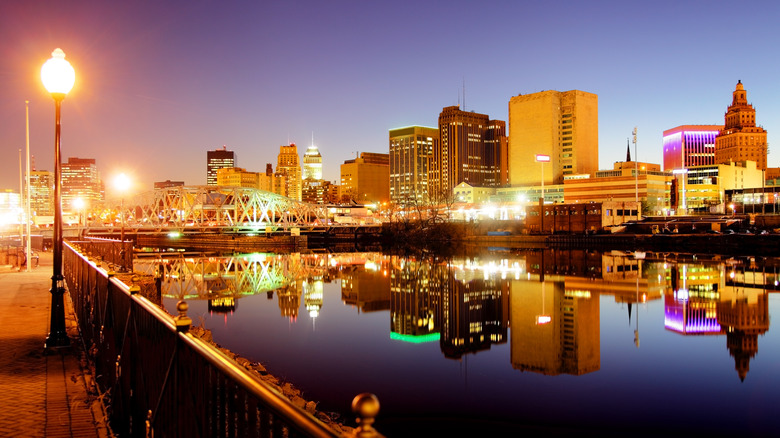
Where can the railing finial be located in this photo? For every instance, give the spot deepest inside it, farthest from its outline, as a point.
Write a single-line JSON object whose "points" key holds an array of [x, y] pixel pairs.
{"points": [[366, 407], [182, 321]]}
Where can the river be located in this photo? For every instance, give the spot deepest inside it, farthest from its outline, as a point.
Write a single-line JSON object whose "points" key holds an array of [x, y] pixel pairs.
{"points": [[547, 342]]}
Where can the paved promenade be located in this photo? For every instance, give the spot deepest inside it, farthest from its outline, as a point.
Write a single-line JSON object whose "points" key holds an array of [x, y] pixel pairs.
{"points": [[42, 395]]}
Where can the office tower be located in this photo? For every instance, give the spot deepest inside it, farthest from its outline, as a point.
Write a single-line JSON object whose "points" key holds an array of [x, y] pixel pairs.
{"points": [[312, 163], [563, 125], [471, 149], [81, 179], [411, 152], [218, 159], [288, 164], [41, 193], [237, 177], [740, 139], [367, 178], [690, 145]]}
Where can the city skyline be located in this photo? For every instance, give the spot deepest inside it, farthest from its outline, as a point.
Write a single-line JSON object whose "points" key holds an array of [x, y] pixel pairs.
{"points": [[174, 80]]}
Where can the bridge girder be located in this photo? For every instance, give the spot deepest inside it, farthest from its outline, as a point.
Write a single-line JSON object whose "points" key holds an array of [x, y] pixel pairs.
{"points": [[239, 209]]}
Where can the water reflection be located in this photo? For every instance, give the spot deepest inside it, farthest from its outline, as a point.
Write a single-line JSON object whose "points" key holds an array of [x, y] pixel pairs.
{"points": [[549, 299]]}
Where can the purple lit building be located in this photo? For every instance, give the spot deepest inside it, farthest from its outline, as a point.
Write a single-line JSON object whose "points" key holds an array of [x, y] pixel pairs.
{"points": [[690, 145]]}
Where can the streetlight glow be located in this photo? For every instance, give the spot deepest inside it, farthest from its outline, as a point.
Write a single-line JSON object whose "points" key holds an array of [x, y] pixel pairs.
{"points": [[122, 183], [57, 74]]}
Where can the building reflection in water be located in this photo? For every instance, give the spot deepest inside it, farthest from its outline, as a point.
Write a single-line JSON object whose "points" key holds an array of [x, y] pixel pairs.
{"points": [[725, 298], [555, 326], [548, 298]]}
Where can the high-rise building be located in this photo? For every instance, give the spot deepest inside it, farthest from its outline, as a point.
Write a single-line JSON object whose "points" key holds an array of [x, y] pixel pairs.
{"points": [[690, 145], [471, 149], [218, 159], [42, 193], [312, 163], [81, 179], [740, 139], [411, 152], [289, 165], [562, 125], [367, 178]]}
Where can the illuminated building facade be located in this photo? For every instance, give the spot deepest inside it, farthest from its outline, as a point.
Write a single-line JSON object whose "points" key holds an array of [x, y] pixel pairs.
{"points": [[690, 145], [705, 186], [41, 193], [563, 125], [218, 159], [366, 179], [288, 164], [10, 207], [312, 163], [472, 148], [237, 177], [272, 182], [740, 139], [315, 191], [81, 179], [411, 153], [622, 185]]}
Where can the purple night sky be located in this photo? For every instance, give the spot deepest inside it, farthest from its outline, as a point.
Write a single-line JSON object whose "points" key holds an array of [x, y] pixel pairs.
{"points": [[158, 83]]}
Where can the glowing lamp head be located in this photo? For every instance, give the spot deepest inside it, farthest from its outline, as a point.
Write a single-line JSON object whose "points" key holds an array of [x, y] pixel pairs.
{"points": [[78, 204], [540, 158], [122, 182], [58, 75]]}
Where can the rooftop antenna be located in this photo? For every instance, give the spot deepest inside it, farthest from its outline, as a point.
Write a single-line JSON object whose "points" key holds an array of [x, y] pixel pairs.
{"points": [[464, 93]]}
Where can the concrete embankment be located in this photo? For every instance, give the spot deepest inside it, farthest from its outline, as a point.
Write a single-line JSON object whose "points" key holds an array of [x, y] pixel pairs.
{"points": [[225, 243], [748, 244]]}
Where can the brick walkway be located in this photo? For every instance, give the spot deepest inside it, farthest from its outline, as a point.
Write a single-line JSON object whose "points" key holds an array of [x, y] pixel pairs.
{"points": [[42, 395]]}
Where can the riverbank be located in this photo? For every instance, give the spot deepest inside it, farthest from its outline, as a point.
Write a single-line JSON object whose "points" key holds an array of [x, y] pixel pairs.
{"points": [[725, 244]]}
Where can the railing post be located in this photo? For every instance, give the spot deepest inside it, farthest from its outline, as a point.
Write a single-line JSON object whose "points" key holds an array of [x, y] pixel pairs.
{"points": [[182, 321], [366, 407]]}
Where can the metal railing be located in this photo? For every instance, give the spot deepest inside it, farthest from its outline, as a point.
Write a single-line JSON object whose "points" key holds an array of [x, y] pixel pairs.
{"points": [[160, 380], [114, 251]]}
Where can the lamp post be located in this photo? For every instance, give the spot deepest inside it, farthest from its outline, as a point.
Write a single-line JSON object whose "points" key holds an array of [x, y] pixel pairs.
{"points": [[122, 183], [541, 159], [79, 205], [28, 217], [58, 78]]}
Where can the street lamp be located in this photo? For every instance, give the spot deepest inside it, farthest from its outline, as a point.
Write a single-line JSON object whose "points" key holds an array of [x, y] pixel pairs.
{"points": [[58, 78], [122, 183], [79, 205], [541, 159]]}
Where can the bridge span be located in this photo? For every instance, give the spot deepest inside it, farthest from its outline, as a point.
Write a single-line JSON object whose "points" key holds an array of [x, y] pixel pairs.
{"points": [[212, 209]]}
